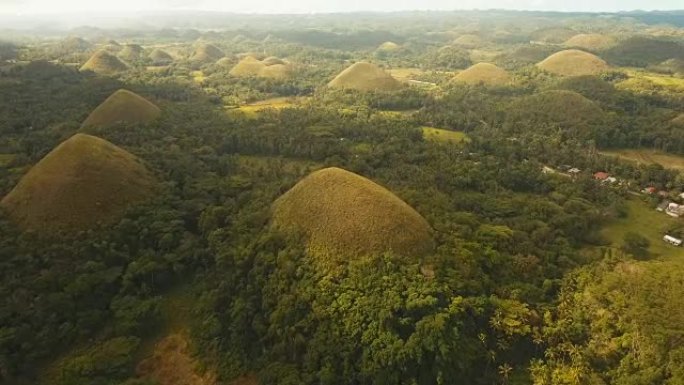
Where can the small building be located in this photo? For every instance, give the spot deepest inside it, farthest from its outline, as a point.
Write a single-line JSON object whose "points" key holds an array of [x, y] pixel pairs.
{"points": [[675, 210], [649, 190], [610, 180], [601, 176], [672, 240], [663, 206], [574, 171]]}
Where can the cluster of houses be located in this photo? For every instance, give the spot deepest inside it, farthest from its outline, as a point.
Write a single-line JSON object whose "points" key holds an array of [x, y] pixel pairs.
{"points": [[672, 209]]}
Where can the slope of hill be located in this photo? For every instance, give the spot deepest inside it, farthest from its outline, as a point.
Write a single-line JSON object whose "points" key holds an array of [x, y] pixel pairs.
{"points": [[160, 57], [483, 73], [206, 53], [344, 215], [104, 63], [252, 67], [591, 41], [552, 35], [573, 62], [131, 52], [83, 182], [642, 51], [364, 76], [123, 106]]}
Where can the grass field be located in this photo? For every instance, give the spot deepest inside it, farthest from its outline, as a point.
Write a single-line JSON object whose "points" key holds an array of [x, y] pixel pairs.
{"points": [[645, 221], [443, 135], [649, 156], [198, 76], [655, 78], [6, 159]]}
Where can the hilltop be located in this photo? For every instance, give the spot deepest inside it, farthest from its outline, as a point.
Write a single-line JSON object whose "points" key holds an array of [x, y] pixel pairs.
{"points": [[483, 73], [573, 62], [389, 46], [206, 53], [591, 41], [364, 76], [104, 63], [268, 68], [343, 214], [83, 182], [131, 52], [160, 57], [123, 106], [565, 109], [552, 35]]}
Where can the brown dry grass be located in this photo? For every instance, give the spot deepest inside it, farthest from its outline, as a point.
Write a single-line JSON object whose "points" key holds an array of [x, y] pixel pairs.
{"points": [[172, 364], [83, 182], [389, 46], [131, 52], [252, 67], [346, 215], [483, 73], [573, 62], [206, 53], [104, 63], [123, 106], [160, 57], [591, 41], [364, 76]]}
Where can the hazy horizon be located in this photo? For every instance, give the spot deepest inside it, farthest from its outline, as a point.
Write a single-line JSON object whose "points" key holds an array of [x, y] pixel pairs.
{"points": [[41, 7]]}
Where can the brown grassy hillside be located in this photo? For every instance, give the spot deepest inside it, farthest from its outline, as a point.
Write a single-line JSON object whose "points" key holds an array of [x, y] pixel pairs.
{"points": [[591, 41], [83, 182], [389, 46], [344, 215], [160, 57], [206, 53], [123, 106], [573, 62], [252, 67], [104, 63], [131, 52], [363, 76], [483, 73]]}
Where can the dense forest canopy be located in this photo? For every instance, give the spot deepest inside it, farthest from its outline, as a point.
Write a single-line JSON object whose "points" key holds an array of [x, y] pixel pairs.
{"points": [[227, 211]]}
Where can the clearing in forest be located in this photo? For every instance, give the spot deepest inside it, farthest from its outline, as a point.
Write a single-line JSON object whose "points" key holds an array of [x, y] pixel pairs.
{"points": [[649, 157], [646, 221], [444, 135]]}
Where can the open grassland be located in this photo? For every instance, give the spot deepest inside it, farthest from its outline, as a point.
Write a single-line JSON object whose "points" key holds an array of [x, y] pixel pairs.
{"points": [[198, 76], [644, 220], [443, 135], [638, 76], [252, 109], [649, 156]]}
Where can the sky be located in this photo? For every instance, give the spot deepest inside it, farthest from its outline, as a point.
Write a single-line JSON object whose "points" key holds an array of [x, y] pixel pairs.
{"points": [[318, 6]]}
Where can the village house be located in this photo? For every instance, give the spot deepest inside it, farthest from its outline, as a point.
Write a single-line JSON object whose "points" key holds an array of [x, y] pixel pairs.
{"points": [[601, 176], [672, 240], [675, 210]]}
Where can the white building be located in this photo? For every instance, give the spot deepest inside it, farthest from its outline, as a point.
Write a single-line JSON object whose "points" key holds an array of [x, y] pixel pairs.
{"points": [[672, 240]]}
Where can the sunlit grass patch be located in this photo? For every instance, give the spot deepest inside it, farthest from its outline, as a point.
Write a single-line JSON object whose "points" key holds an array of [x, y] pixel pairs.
{"points": [[444, 135], [649, 157]]}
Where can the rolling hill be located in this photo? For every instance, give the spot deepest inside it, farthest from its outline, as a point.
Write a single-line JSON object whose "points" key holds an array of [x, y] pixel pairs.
{"points": [[591, 42], [343, 214], [483, 73], [123, 106], [82, 183], [364, 76], [104, 63], [573, 62]]}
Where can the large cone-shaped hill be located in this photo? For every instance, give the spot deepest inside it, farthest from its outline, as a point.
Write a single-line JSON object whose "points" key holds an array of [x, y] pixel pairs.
{"points": [[252, 67], [573, 62], [483, 73], [83, 182], [123, 106], [389, 46], [567, 110], [160, 57], [206, 53], [363, 76], [131, 52], [591, 41], [104, 63], [345, 215]]}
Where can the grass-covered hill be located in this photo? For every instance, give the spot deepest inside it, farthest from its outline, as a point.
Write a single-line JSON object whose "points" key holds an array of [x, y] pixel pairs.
{"points": [[271, 67], [483, 73], [364, 76], [160, 57], [104, 63], [206, 53], [345, 215], [82, 183], [123, 106], [131, 52], [593, 42], [573, 62]]}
